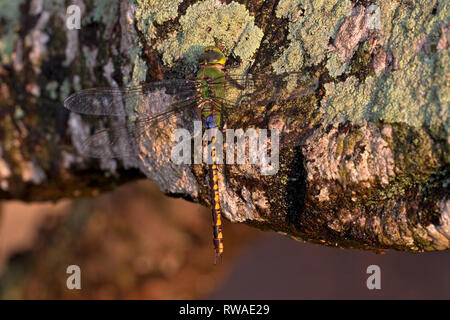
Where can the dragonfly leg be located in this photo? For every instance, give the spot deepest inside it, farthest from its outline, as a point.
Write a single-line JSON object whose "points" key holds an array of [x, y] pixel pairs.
{"points": [[234, 66]]}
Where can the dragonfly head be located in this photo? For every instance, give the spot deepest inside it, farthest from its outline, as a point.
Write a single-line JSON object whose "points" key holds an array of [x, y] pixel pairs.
{"points": [[212, 55]]}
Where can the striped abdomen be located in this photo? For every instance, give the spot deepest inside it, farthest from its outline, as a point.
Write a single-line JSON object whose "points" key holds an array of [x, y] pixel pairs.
{"points": [[213, 173]]}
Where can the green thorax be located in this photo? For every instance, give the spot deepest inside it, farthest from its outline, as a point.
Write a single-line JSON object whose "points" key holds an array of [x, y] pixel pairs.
{"points": [[212, 92]]}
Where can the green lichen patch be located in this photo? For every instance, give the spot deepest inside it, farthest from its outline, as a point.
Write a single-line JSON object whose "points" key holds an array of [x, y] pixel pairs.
{"points": [[9, 17], [349, 100], [311, 26], [416, 90], [139, 71], [292, 59], [275, 31], [407, 25], [418, 95], [209, 23], [105, 12], [154, 11]]}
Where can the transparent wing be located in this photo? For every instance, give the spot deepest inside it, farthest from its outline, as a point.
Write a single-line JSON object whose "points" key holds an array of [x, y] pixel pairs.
{"points": [[118, 137], [123, 119], [262, 102], [151, 98], [260, 89], [129, 119]]}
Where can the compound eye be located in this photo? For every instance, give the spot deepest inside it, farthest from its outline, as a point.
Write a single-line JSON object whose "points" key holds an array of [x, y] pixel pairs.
{"points": [[216, 57], [211, 57]]}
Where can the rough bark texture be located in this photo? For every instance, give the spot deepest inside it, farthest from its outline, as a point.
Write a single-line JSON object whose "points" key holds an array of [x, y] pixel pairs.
{"points": [[370, 169]]}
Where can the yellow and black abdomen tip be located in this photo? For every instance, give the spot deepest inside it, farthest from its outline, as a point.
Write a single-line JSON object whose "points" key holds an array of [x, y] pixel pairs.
{"points": [[216, 209]]}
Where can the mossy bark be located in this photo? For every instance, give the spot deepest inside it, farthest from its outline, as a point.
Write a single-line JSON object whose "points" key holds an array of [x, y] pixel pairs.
{"points": [[370, 169]]}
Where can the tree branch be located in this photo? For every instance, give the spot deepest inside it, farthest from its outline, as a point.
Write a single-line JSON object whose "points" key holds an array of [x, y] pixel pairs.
{"points": [[369, 168]]}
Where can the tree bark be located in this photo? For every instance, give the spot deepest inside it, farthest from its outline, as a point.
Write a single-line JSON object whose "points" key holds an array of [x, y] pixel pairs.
{"points": [[371, 166]]}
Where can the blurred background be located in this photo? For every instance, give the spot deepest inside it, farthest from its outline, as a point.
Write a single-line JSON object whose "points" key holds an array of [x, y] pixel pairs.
{"points": [[137, 243]]}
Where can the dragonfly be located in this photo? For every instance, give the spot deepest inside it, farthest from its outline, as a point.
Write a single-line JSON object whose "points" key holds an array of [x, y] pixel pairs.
{"points": [[141, 112]]}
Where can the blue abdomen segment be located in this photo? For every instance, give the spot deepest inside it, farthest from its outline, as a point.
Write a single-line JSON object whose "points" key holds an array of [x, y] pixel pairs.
{"points": [[210, 121]]}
